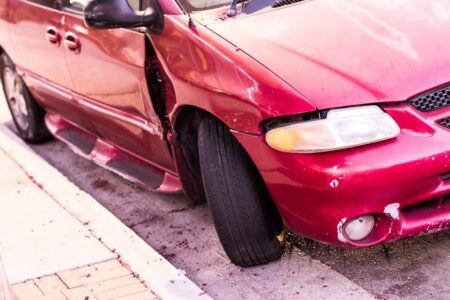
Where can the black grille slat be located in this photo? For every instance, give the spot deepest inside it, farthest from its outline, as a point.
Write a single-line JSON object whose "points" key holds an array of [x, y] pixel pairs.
{"points": [[445, 122], [432, 100], [280, 3]]}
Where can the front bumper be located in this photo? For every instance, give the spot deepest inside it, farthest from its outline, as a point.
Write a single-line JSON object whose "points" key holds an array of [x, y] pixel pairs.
{"points": [[404, 182]]}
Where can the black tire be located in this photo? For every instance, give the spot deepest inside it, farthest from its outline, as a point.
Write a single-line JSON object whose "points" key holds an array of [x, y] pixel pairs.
{"points": [[29, 119], [244, 216]]}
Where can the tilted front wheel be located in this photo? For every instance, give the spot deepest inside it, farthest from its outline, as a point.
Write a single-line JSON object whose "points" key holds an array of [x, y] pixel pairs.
{"points": [[27, 115], [244, 216]]}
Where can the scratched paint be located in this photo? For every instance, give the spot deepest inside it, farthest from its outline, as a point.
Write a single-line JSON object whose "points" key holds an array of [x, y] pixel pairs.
{"points": [[392, 210], [334, 184], [340, 230]]}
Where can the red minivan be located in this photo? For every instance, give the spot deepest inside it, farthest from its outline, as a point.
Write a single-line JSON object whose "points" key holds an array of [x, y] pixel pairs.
{"points": [[330, 119]]}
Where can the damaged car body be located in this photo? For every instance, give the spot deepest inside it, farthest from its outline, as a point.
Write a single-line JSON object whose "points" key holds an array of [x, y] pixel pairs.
{"points": [[328, 118]]}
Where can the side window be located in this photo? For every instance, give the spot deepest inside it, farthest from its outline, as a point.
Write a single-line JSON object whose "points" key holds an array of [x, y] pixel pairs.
{"points": [[80, 4], [60, 4], [77, 4], [56, 4], [135, 4]]}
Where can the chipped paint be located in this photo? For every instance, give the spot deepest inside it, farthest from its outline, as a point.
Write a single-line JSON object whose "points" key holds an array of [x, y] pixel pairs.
{"points": [[334, 184], [392, 210], [437, 225], [340, 230]]}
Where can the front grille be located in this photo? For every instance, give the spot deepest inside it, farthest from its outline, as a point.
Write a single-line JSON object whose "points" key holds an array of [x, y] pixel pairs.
{"points": [[445, 122], [280, 3], [433, 100]]}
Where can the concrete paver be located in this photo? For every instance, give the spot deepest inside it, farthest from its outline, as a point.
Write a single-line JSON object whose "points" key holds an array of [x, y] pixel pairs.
{"points": [[93, 274], [78, 293], [122, 291], [27, 290], [139, 296], [53, 296], [50, 284], [113, 283], [37, 236], [99, 286]]}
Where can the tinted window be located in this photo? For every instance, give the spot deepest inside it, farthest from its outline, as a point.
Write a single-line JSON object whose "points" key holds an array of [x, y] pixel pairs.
{"points": [[77, 4], [196, 5], [59, 4], [56, 4], [135, 4], [80, 4]]}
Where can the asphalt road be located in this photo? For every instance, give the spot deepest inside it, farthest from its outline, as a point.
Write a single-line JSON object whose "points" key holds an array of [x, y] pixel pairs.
{"points": [[417, 268]]}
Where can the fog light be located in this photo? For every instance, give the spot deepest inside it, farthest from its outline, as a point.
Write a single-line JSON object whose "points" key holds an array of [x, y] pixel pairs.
{"points": [[359, 228]]}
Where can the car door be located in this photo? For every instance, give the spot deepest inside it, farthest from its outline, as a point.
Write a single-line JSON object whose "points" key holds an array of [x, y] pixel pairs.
{"points": [[37, 31], [108, 69]]}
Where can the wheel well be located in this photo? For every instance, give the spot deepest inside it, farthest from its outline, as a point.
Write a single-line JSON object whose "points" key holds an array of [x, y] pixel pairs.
{"points": [[2, 51], [185, 127], [186, 152]]}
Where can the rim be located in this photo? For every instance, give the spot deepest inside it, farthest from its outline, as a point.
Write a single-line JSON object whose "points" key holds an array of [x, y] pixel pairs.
{"points": [[15, 97]]}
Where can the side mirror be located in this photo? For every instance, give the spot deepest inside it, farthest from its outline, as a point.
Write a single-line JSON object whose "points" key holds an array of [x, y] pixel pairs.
{"points": [[108, 14]]}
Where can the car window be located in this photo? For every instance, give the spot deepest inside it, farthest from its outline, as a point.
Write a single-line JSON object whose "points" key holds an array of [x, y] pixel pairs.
{"points": [[135, 4], [80, 4], [55, 4], [77, 4], [198, 5]]}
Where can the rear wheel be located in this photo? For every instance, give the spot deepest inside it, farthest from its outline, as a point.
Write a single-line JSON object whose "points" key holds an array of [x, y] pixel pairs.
{"points": [[245, 218], [27, 115]]}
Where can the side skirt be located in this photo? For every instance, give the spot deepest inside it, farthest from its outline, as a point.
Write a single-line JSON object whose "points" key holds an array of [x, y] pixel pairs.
{"points": [[111, 157]]}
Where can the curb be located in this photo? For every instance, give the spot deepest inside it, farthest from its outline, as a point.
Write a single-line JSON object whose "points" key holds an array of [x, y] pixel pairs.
{"points": [[166, 281]]}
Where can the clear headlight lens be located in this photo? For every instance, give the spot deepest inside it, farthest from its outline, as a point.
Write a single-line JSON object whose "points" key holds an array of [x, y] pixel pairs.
{"points": [[343, 128]]}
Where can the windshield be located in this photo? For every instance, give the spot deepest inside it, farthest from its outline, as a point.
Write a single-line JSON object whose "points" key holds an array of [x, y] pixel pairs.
{"points": [[249, 6], [197, 5]]}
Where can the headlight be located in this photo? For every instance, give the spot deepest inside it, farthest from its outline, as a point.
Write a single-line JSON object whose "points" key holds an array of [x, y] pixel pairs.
{"points": [[343, 128]]}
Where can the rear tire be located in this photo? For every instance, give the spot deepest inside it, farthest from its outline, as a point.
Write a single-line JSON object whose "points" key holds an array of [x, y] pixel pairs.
{"points": [[244, 216], [27, 115]]}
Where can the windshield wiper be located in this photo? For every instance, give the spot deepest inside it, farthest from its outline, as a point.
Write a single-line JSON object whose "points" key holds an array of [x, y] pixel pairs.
{"points": [[233, 8]]}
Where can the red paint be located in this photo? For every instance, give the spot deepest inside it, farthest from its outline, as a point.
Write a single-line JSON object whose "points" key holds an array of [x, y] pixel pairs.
{"points": [[247, 69], [341, 53], [209, 73], [315, 192]]}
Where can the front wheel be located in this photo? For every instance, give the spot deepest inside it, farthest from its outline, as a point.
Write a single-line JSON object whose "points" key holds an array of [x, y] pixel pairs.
{"points": [[246, 221], [27, 115]]}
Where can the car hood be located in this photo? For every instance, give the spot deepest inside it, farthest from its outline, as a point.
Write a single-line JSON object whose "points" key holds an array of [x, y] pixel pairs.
{"points": [[349, 52]]}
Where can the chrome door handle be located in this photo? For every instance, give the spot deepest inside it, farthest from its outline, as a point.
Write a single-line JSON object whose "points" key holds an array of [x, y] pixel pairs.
{"points": [[72, 42], [52, 35]]}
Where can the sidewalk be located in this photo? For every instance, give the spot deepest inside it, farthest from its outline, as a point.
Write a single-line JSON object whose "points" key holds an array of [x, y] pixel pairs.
{"points": [[57, 242]]}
